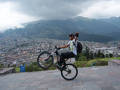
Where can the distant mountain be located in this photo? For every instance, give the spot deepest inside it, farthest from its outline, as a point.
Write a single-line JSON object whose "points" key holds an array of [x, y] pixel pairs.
{"points": [[90, 29], [114, 21], [95, 26]]}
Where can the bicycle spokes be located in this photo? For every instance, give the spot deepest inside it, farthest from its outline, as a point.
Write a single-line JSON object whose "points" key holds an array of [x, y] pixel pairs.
{"points": [[69, 72], [45, 60]]}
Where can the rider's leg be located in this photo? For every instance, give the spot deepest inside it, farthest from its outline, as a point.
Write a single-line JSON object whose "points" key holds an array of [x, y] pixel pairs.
{"points": [[64, 56]]}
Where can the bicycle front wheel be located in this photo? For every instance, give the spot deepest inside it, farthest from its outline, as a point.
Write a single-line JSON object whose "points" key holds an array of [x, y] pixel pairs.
{"points": [[69, 72], [45, 60]]}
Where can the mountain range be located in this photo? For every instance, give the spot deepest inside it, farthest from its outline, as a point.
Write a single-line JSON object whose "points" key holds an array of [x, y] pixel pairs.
{"points": [[99, 30]]}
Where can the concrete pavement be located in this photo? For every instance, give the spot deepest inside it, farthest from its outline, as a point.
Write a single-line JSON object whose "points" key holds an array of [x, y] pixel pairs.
{"points": [[92, 78]]}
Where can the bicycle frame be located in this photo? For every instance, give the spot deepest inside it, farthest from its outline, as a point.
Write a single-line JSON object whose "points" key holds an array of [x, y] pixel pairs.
{"points": [[63, 67], [55, 52]]}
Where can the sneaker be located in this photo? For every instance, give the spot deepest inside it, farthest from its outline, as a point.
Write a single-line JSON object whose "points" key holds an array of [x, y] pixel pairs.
{"points": [[59, 63], [59, 66]]}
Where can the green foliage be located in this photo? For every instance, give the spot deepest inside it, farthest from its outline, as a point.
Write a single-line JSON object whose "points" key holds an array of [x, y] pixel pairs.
{"points": [[81, 63], [91, 55], [95, 62], [81, 57], [100, 54], [90, 63], [111, 55], [32, 67], [17, 69], [101, 63], [52, 68], [0, 66], [88, 55]]}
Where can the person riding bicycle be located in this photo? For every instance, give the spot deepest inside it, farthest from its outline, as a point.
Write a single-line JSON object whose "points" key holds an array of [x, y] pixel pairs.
{"points": [[68, 70], [72, 49]]}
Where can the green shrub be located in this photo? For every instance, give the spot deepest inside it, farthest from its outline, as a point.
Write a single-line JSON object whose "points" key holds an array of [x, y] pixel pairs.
{"points": [[52, 68], [81, 57], [0, 66], [101, 63], [91, 63], [81, 63], [17, 69], [35, 63], [97, 62], [32, 67], [29, 68]]}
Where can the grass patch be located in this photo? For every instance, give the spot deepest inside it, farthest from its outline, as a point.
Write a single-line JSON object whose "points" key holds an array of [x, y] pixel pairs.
{"points": [[95, 62], [81, 63]]}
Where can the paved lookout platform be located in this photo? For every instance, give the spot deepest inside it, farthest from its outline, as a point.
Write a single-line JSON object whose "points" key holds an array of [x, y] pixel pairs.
{"points": [[92, 78]]}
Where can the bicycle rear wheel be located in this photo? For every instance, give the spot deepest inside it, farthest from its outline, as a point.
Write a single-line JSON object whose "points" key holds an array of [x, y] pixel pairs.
{"points": [[69, 72], [45, 60]]}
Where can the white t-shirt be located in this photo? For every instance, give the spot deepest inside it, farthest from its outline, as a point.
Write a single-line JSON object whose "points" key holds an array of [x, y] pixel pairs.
{"points": [[72, 47]]}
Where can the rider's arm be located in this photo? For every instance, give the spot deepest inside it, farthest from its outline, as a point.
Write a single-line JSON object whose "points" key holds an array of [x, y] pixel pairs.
{"points": [[65, 46]]}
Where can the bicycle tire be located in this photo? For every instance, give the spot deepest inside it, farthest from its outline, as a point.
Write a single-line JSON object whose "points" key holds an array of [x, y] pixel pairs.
{"points": [[50, 56], [63, 69]]}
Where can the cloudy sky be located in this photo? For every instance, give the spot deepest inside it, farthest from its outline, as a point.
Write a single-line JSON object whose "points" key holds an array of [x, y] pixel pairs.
{"points": [[13, 13]]}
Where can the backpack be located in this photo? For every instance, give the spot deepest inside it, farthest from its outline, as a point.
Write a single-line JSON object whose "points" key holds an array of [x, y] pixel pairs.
{"points": [[79, 47]]}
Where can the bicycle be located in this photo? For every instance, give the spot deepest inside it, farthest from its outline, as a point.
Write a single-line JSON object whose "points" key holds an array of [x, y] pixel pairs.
{"points": [[46, 60]]}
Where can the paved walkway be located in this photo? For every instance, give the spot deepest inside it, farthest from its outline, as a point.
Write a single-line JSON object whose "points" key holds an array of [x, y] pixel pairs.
{"points": [[99, 78]]}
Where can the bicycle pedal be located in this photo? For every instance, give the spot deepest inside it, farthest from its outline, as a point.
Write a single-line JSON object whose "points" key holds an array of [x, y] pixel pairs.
{"points": [[59, 67]]}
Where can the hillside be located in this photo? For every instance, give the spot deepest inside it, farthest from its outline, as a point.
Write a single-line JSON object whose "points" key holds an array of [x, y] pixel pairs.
{"points": [[115, 21], [90, 29]]}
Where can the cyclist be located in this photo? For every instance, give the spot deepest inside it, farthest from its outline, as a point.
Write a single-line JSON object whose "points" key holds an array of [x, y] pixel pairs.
{"points": [[72, 50]]}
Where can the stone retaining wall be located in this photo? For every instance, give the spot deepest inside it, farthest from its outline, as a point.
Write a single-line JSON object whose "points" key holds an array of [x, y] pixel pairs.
{"points": [[7, 71]]}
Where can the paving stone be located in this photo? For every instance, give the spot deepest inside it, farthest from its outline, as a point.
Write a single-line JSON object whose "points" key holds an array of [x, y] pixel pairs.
{"points": [[61, 88], [108, 88], [117, 87], [91, 86]]}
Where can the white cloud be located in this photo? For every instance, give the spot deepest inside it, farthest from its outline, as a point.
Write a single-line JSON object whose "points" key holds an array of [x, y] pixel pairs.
{"points": [[10, 18], [13, 13], [102, 9]]}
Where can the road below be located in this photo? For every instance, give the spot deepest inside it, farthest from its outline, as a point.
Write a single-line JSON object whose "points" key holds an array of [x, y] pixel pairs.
{"points": [[92, 78]]}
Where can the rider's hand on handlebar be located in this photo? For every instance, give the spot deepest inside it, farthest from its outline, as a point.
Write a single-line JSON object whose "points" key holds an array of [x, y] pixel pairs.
{"points": [[57, 47]]}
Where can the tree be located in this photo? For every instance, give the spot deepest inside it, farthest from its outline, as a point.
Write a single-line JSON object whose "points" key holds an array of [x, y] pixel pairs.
{"points": [[91, 55], [87, 53], [107, 55], [111, 55]]}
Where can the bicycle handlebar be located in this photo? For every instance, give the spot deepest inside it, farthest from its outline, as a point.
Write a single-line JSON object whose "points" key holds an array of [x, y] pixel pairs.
{"points": [[56, 51], [57, 48]]}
